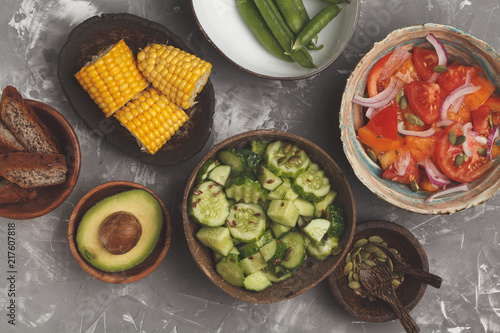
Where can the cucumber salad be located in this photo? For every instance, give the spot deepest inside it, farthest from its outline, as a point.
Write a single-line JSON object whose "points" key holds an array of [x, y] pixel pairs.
{"points": [[263, 210]]}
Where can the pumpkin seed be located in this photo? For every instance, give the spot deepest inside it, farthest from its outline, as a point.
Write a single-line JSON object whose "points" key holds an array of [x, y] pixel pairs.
{"points": [[369, 262], [482, 151], [460, 139], [452, 138], [361, 242], [354, 285], [393, 250], [372, 155], [384, 244], [375, 239], [348, 268], [381, 259], [288, 253], [370, 248], [336, 250], [414, 186], [349, 277], [348, 257], [282, 160], [440, 69], [371, 298], [403, 103], [394, 275], [355, 276], [287, 148], [459, 159], [396, 283], [390, 264], [380, 254], [294, 159], [356, 251], [399, 95], [492, 124], [364, 266], [364, 255]]}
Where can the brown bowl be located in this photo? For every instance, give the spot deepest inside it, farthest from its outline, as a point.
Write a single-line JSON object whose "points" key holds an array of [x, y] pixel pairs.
{"points": [[138, 272], [49, 198], [311, 272], [410, 291]]}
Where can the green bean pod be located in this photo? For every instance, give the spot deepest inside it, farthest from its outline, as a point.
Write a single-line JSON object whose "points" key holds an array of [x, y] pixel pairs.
{"points": [[336, 1], [283, 34], [317, 23], [256, 23], [294, 13]]}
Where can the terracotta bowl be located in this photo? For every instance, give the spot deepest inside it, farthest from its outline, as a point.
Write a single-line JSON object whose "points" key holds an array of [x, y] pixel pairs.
{"points": [[410, 291], [311, 272], [49, 198], [138, 272], [460, 46]]}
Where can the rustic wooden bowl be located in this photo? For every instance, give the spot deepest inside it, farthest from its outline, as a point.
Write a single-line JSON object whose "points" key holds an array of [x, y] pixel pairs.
{"points": [[49, 198], [409, 293], [138, 272], [311, 272], [460, 46]]}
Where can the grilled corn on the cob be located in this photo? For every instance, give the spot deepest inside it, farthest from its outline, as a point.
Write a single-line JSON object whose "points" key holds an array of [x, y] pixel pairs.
{"points": [[152, 118], [177, 74], [112, 78]]}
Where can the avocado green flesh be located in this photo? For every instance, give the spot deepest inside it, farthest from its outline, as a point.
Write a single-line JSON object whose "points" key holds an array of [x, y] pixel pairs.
{"points": [[139, 203]]}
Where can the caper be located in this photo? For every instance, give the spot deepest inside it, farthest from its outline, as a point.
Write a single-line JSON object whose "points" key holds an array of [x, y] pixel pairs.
{"points": [[372, 155], [459, 159], [482, 151], [403, 103], [452, 138], [440, 69], [460, 139]]}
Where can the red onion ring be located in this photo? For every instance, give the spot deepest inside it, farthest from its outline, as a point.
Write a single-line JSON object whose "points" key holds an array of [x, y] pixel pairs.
{"points": [[444, 122], [466, 145], [459, 188], [383, 98], [494, 133], [395, 61], [455, 107], [441, 53], [435, 176], [420, 134], [453, 96], [402, 163]]}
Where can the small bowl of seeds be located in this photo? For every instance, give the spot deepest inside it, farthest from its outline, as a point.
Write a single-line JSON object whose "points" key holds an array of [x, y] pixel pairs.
{"points": [[371, 241]]}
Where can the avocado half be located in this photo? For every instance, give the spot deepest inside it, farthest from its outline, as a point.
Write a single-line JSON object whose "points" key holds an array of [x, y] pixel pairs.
{"points": [[120, 231]]}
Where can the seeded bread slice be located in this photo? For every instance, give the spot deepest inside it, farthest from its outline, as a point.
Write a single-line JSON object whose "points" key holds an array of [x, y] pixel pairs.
{"points": [[8, 142], [11, 193], [31, 170], [23, 122]]}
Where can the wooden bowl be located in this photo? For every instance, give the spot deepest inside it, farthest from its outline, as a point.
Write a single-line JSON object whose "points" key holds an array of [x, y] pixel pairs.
{"points": [[460, 46], [138, 272], [410, 291], [49, 198], [311, 272]]}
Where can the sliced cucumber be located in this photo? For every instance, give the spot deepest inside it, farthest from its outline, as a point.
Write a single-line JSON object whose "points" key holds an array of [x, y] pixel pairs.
{"points": [[239, 159], [216, 238], [259, 146], [306, 208], [336, 217], [286, 159], [253, 263], [256, 282], [244, 187], [283, 212], [312, 185], [220, 174], [277, 273], [316, 229], [268, 179], [208, 204], [321, 205], [234, 253], [279, 229], [246, 222], [253, 247], [231, 271], [280, 192], [295, 252], [323, 249], [273, 252], [205, 169]]}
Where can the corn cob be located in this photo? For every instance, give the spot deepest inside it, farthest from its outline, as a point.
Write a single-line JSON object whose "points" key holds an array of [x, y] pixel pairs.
{"points": [[112, 78], [177, 74], [152, 118]]}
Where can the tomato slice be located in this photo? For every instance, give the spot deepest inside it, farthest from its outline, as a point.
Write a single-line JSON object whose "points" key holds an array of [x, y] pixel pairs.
{"points": [[369, 138], [425, 60], [462, 116], [475, 167], [494, 103], [480, 120], [374, 85], [421, 148], [475, 100], [454, 77], [424, 98], [412, 172], [385, 122]]}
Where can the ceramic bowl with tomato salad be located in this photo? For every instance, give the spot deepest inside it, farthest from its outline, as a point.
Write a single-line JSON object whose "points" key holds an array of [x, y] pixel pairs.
{"points": [[402, 101]]}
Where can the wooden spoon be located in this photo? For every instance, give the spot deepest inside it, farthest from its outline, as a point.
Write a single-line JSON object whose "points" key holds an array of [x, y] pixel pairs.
{"points": [[378, 281], [402, 267]]}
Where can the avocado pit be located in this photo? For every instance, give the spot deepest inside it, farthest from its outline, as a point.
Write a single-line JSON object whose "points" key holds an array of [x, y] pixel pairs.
{"points": [[119, 232]]}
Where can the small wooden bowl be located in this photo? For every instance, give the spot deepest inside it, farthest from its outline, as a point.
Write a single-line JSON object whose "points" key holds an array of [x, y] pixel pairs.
{"points": [[410, 291], [311, 272], [49, 198], [460, 46], [138, 272]]}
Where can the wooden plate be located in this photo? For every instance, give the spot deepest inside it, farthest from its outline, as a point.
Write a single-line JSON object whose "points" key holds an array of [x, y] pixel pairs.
{"points": [[409, 293], [138, 272], [311, 272], [49, 198], [94, 35]]}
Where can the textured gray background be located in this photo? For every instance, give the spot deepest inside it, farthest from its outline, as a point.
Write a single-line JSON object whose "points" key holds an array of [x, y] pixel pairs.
{"points": [[55, 295]]}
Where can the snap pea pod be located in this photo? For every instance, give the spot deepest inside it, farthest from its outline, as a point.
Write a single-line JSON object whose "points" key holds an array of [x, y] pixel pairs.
{"points": [[336, 1], [283, 34], [317, 23], [256, 23]]}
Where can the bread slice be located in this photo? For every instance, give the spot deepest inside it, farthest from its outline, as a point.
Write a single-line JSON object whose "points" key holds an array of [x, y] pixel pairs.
{"points": [[23, 122], [8, 142], [11, 193], [31, 170]]}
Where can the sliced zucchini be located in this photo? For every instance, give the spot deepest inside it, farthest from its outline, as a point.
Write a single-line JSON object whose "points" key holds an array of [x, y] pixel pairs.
{"points": [[216, 238], [245, 187], [312, 185], [295, 252], [306, 208], [259, 146], [323, 249], [316, 229], [230, 269], [321, 205], [286, 159], [283, 212], [336, 217], [273, 252], [279, 229], [268, 179], [246, 222], [253, 263], [220, 174], [205, 169], [277, 273], [253, 247], [239, 159], [256, 282], [208, 204]]}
